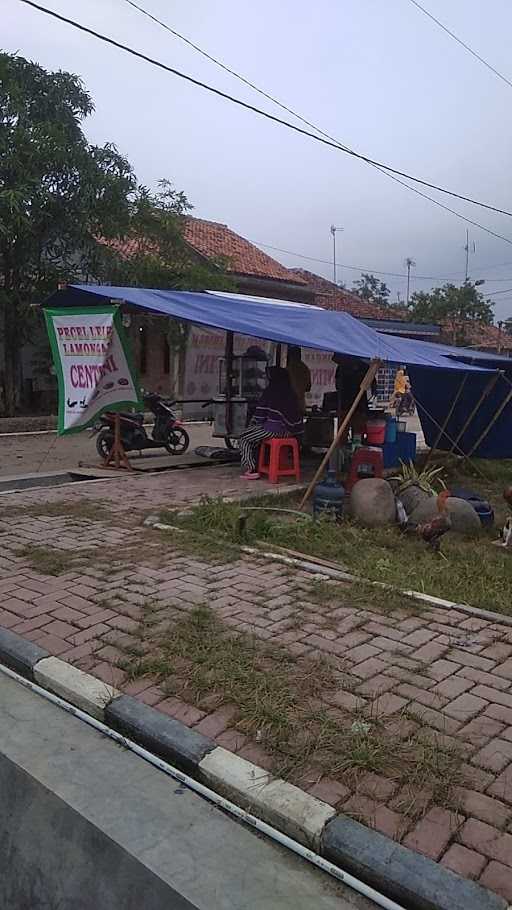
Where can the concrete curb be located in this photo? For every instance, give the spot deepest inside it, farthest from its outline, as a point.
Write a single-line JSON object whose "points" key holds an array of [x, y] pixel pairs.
{"points": [[395, 871], [282, 805], [166, 737], [340, 575], [403, 875], [19, 654], [80, 689]]}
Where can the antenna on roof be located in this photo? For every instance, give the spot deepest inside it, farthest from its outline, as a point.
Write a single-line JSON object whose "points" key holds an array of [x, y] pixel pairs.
{"points": [[333, 232]]}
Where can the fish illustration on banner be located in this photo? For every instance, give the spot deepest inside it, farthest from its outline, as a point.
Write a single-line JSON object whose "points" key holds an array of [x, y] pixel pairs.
{"points": [[94, 366]]}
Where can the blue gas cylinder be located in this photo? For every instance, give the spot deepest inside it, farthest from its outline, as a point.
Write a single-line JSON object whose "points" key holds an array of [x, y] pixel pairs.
{"points": [[328, 497]]}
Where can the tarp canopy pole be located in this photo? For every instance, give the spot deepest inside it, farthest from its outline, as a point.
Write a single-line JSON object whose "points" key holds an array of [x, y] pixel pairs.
{"points": [[449, 438], [447, 420], [487, 391], [365, 385], [229, 381], [491, 423]]}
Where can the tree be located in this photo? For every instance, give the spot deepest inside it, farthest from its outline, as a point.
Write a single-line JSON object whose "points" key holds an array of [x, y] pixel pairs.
{"points": [[63, 201], [369, 288], [452, 307], [57, 193]]}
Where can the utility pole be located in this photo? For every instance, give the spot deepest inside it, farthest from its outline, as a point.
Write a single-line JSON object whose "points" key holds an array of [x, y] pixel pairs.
{"points": [[409, 264], [468, 248], [333, 232], [500, 327]]}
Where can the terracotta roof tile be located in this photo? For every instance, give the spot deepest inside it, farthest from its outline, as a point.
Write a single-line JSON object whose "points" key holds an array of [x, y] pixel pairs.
{"points": [[331, 297], [126, 247], [483, 337], [214, 240]]}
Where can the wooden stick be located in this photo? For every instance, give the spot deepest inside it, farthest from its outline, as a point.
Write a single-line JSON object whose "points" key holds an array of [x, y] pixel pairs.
{"points": [[447, 419], [117, 452], [491, 424], [490, 385], [365, 385]]}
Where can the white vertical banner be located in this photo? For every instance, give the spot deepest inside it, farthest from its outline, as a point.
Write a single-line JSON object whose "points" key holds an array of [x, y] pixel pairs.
{"points": [[93, 362]]}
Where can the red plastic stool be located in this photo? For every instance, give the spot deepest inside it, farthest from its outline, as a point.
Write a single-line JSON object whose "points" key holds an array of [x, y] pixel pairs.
{"points": [[366, 457], [271, 461]]}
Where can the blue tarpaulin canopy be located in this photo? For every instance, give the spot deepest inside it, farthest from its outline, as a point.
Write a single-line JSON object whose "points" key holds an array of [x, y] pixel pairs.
{"points": [[436, 370]]}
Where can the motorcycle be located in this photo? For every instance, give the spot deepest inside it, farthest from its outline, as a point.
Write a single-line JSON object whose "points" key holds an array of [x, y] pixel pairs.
{"points": [[405, 406], [168, 432]]}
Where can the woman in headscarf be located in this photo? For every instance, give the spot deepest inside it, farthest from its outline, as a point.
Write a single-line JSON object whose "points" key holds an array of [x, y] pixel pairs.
{"points": [[277, 416]]}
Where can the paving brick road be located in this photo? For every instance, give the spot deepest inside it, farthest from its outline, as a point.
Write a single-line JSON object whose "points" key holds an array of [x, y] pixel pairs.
{"points": [[441, 668]]}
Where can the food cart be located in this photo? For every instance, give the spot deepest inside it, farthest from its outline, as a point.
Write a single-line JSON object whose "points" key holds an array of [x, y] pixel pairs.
{"points": [[242, 379]]}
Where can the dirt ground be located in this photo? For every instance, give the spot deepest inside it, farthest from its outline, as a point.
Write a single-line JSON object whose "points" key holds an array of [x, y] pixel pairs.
{"points": [[28, 453]]}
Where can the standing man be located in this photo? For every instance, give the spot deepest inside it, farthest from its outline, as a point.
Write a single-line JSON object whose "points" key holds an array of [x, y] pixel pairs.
{"points": [[300, 376]]}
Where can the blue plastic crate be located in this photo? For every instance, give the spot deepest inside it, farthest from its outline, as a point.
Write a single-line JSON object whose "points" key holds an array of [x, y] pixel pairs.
{"points": [[406, 443], [390, 454]]}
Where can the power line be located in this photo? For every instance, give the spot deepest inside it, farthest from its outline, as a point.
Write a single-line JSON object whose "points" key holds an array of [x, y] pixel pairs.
{"points": [[261, 112], [362, 268], [495, 293], [302, 119], [353, 268], [462, 43]]}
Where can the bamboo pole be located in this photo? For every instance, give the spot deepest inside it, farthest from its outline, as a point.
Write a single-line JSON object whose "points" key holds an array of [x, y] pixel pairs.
{"points": [[489, 387], [365, 385], [454, 444], [482, 436], [447, 419]]}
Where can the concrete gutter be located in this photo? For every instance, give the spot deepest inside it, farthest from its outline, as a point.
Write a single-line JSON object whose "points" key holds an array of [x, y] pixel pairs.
{"points": [[380, 863]]}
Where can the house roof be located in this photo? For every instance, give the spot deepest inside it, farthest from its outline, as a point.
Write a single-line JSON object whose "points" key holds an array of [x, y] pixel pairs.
{"points": [[212, 239], [483, 337], [329, 296]]}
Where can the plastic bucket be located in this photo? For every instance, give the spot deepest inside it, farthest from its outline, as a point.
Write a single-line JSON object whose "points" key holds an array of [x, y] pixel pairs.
{"points": [[391, 429], [376, 432]]}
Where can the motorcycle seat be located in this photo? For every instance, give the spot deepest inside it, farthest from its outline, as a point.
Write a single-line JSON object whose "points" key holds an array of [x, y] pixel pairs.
{"points": [[136, 418]]}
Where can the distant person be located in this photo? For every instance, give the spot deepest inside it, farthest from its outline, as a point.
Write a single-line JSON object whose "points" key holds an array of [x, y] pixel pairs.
{"points": [[300, 376], [277, 415], [403, 401], [401, 381]]}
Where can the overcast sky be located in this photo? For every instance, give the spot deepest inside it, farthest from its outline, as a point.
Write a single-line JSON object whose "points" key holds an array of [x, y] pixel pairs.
{"points": [[379, 76]]}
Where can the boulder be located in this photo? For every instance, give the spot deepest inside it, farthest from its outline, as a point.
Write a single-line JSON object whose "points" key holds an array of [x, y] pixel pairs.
{"points": [[412, 497], [464, 519], [372, 503]]}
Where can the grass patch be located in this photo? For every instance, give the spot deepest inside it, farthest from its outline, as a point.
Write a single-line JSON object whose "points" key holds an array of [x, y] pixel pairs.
{"points": [[207, 547], [474, 572], [46, 560], [280, 702]]}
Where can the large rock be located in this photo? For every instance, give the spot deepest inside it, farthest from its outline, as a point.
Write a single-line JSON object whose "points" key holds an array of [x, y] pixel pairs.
{"points": [[463, 516], [412, 497], [372, 503]]}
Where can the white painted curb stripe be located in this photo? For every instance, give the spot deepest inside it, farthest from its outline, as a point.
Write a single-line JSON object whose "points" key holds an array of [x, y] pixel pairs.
{"points": [[82, 690], [283, 805]]}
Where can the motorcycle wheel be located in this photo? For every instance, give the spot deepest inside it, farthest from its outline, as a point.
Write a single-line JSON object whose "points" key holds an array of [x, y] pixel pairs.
{"points": [[104, 444], [232, 443], [178, 441]]}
